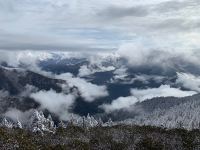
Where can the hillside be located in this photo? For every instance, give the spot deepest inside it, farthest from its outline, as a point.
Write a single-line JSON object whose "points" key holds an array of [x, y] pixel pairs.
{"points": [[111, 138]]}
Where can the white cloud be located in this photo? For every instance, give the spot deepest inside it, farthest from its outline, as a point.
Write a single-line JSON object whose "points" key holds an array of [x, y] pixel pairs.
{"points": [[162, 91], [139, 95], [16, 114], [99, 62], [145, 78], [189, 81], [84, 71], [29, 58], [88, 91], [138, 54], [120, 73], [57, 103], [119, 103], [48, 24], [89, 70], [28, 89]]}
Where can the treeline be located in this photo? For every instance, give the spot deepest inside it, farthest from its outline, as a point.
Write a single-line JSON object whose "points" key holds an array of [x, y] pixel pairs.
{"points": [[118, 137]]}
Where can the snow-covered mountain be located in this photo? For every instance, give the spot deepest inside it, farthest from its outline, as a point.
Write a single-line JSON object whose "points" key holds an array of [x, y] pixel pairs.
{"points": [[104, 85]]}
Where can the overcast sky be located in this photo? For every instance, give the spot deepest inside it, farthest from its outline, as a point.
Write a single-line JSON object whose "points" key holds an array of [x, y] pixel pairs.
{"points": [[98, 24]]}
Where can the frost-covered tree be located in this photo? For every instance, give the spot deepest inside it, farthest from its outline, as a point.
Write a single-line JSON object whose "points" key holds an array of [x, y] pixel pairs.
{"points": [[5, 123], [93, 122], [50, 122], [38, 122], [182, 115], [109, 123], [61, 124], [100, 122], [19, 124]]}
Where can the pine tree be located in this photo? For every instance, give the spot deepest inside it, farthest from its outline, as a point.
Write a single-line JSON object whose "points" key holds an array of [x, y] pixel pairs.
{"points": [[72, 121], [19, 125], [6, 124], [93, 123], [50, 122], [100, 122], [61, 124], [110, 122], [37, 122]]}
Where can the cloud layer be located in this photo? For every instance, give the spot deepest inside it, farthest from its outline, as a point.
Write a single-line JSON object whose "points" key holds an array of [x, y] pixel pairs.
{"points": [[119, 103], [88, 91], [101, 25], [139, 95], [138, 54], [189, 81], [162, 91], [57, 103]]}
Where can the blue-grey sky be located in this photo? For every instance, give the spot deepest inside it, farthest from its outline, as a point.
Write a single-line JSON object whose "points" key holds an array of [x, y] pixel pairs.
{"points": [[98, 24]]}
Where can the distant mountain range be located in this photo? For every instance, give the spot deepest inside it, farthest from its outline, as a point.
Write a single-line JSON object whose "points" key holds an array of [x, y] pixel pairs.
{"points": [[113, 72]]}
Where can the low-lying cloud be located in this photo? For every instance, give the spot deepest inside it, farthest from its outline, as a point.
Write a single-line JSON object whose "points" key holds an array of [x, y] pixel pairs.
{"points": [[162, 91], [154, 55], [25, 57], [28, 90], [89, 70], [139, 95], [137, 55], [16, 114], [57, 103], [119, 103], [189, 81], [88, 91]]}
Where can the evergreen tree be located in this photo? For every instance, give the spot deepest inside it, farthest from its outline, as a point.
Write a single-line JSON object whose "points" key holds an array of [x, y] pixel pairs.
{"points": [[61, 124], [19, 124], [6, 124]]}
